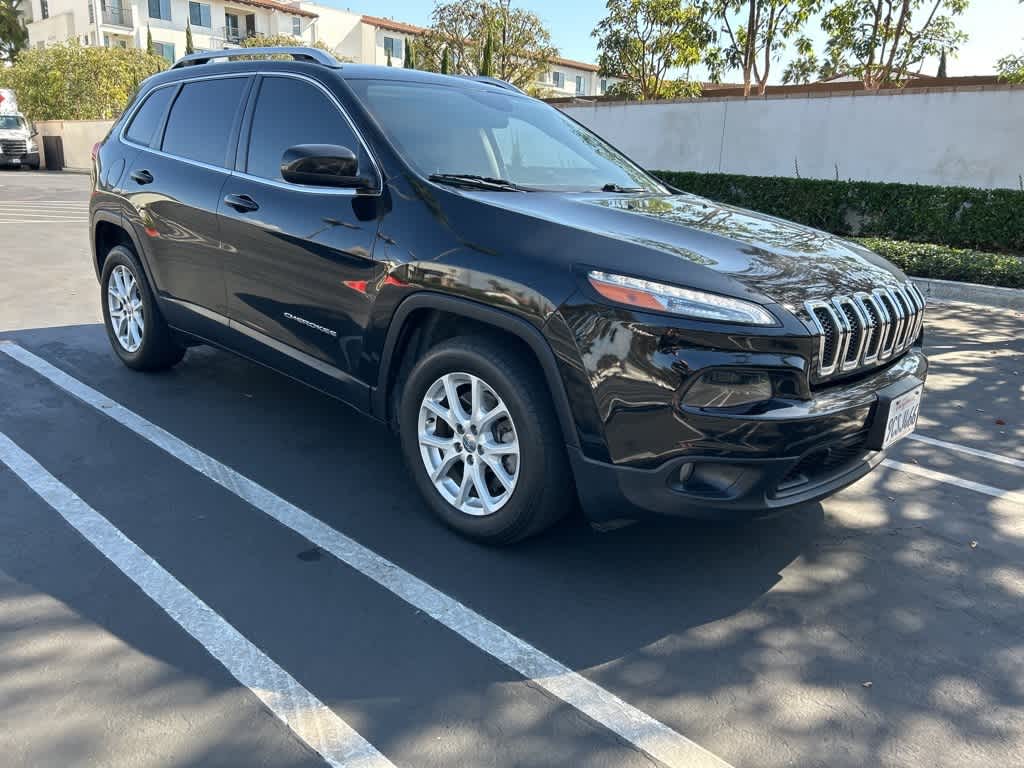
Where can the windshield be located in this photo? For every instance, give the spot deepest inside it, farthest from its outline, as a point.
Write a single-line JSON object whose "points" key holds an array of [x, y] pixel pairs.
{"points": [[495, 134], [11, 122]]}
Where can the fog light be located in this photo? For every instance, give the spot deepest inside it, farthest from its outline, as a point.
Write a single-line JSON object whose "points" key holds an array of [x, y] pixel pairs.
{"points": [[725, 389]]}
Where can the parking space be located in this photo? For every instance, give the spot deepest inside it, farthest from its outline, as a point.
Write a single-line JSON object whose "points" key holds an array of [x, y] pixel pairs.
{"points": [[283, 597]]}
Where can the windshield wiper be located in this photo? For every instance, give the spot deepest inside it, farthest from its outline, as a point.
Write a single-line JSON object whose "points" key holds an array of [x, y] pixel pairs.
{"points": [[621, 189], [473, 180]]}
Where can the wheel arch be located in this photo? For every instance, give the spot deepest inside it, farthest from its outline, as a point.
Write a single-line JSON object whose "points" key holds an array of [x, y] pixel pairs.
{"points": [[109, 229], [404, 328]]}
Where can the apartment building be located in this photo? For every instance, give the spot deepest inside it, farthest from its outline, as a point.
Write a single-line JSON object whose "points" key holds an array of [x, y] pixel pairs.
{"points": [[226, 23], [573, 78], [215, 23]]}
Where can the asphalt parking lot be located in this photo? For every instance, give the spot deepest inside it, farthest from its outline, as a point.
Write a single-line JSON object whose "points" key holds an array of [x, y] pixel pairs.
{"points": [[218, 567]]}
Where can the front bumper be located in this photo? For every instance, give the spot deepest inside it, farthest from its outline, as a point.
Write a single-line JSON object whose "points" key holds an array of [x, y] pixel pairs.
{"points": [[760, 464], [30, 159]]}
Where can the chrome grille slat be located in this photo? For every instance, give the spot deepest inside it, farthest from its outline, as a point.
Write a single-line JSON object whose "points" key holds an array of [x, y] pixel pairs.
{"points": [[865, 329]]}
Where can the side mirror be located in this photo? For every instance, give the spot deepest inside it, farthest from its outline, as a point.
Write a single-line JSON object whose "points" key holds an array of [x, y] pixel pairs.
{"points": [[322, 165], [33, 131]]}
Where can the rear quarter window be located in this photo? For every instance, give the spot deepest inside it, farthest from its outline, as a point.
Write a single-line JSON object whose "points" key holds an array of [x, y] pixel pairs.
{"points": [[147, 119]]}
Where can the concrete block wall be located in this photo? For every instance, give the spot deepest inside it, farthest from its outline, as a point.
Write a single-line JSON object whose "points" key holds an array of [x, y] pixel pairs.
{"points": [[966, 137]]}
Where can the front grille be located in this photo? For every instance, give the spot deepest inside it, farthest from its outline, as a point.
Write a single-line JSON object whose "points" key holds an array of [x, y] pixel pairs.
{"points": [[823, 463], [14, 147], [864, 329]]}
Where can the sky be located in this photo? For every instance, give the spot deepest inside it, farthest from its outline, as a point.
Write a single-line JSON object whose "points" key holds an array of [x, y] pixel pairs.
{"points": [[996, 28]]}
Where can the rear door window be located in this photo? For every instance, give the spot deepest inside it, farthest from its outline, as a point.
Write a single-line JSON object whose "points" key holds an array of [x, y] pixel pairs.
{"points": [[202, 118], [276, 125], [148, 118]]}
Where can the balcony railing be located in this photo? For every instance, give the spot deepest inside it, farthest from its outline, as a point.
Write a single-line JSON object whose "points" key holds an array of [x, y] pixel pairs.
{"points": [[234, 35], [119, 17]]}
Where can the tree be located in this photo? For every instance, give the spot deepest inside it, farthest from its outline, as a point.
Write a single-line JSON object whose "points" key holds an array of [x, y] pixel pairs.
{"points": [[410, 55], [520, 44], [278, 41], [883, 41], [445, 63], [189, 46], [13, 35], [149, 40], [70, 81], [1011, 68], [753, 33], [640, 41], [487, 65], [942, 65]]}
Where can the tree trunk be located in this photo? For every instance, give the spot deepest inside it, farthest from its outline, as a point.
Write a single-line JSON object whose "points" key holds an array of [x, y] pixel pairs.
{"points": [[748, 46]]}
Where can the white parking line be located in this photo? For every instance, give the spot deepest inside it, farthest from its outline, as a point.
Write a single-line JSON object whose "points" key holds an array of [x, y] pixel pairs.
{"points": [[966, 449], [75, 203], [308, 717], [634, 726], [942, 477]]}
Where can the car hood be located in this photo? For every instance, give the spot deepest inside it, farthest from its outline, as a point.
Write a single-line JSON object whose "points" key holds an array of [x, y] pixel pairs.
{"points": [[14, 133], [777, 260]]}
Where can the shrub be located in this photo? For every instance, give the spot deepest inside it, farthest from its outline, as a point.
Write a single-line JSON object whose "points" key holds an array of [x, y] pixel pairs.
{"points": [[75, 82], [963, 217], [945, 263]]}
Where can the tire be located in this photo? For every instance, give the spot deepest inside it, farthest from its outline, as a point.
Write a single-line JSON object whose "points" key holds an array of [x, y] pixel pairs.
{"points": [[154, 349], [541, 488]]}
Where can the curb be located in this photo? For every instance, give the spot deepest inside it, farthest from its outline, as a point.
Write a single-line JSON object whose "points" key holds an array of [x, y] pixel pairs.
{"points": [[988, 295]]}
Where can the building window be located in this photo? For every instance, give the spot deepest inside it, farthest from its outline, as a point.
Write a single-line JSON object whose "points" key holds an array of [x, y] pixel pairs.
{"points": [[581, 90], [160, 9], [558, 79], [604, 86], [44, 9], [164, 49], [199, 15], [393, 45], [92, 13], [296, 26]]}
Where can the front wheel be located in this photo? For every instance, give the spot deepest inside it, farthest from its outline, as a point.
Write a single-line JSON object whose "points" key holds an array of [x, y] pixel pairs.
{"points": [[482, 441]]}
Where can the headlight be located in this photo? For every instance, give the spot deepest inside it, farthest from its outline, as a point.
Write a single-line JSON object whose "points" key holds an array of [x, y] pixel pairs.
{"points": [[644, 294], [32, 146]]}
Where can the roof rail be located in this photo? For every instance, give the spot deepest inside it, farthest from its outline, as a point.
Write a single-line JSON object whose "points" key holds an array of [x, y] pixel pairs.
{"points": [[496, 82], [315, 55]]}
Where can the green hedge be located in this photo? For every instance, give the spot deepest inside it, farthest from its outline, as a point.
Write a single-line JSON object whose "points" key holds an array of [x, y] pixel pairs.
{"points": [[991, 219], [944, 263]]}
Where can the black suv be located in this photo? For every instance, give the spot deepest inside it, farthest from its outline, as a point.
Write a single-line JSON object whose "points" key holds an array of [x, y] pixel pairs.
{"points": [[538, 318]]}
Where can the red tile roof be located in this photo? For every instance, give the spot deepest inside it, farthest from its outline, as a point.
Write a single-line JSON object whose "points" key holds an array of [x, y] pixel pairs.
{"points": [[576, 64], [394, 26], [275, 6]]}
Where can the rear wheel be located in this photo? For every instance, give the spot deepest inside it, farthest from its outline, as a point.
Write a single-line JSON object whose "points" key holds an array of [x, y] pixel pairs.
{"points": [[483, 443], [135, 327]]}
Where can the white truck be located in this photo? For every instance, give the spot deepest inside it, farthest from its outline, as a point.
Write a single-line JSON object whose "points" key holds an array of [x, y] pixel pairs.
{"points": [[18, 144]]}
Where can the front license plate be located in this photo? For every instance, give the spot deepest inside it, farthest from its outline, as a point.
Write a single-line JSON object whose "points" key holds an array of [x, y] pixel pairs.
{"points": [[902, 416]]}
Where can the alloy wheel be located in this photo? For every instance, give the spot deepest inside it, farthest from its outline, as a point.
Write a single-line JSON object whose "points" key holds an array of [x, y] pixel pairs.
{"points": [[124, 305], [468, 444]]}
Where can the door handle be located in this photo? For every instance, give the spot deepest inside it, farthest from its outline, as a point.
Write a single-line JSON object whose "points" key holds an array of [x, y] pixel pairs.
{"points": [[142, 177], [242, 203]]}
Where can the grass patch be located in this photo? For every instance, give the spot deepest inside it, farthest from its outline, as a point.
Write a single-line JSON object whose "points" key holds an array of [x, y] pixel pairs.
{"points": [[942, 262]]}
